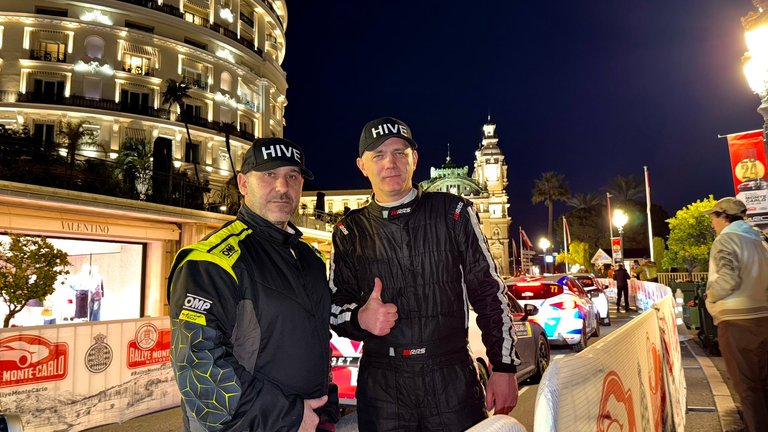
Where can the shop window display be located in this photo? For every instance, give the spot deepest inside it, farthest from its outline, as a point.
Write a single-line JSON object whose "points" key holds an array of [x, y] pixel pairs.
{"points": [[104, 283]]}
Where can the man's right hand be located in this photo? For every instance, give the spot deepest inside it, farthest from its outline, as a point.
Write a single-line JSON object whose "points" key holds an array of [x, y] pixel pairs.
{"points": [[376, 316], [310, 420]]}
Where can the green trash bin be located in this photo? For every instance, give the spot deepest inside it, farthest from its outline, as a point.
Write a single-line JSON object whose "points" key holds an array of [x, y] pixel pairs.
{"points": [[708, 332], [691, 316]]}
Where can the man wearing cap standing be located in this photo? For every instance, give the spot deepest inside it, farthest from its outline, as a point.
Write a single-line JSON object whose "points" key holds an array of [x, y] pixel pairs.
{"points": [[404, 271], [249, 308], [737, 298]]}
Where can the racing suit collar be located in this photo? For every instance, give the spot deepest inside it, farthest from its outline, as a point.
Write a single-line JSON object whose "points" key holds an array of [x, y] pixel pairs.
{"points": [[291, 236], [403, 209]]}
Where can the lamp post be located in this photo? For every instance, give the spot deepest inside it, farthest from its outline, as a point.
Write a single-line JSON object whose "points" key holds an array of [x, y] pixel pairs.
{"points": [[544, 244], [620, 219], [755, 60]]}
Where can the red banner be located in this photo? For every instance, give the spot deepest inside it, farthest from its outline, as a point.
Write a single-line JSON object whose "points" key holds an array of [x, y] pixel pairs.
{"points": [[28, 358], [150, 346], [748, 166], [748, 160], [616, 250]]}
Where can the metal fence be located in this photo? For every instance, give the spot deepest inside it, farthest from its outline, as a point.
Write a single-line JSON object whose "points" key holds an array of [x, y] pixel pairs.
{"points": [[667, 278]]}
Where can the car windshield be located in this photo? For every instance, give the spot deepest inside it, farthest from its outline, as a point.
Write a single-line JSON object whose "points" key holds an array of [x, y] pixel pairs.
{"points": [[535, 290]]}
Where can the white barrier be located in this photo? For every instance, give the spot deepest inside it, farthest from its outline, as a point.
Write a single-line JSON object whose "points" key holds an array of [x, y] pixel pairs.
{"points": [[498, 423], [632, 380], [72, 377]]}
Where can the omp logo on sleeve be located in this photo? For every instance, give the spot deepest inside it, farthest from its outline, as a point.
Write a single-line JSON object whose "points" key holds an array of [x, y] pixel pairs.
{"points": [[197, 303], [228, 250]]}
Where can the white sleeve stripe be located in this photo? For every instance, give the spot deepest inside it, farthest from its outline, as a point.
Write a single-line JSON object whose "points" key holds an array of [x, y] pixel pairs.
{"points": [[336, 309], [508, 354], [345, 317]]}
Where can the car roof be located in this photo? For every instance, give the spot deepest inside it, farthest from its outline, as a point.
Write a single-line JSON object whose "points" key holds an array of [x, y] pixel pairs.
{"points": [[549, 279]]}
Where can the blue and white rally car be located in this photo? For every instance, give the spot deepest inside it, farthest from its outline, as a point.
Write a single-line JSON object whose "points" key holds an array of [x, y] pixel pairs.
{"points": [[565, 309]]}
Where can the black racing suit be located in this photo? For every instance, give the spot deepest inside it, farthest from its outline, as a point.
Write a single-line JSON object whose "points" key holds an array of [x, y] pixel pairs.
{"points": [[433, 262], [249, 310]]}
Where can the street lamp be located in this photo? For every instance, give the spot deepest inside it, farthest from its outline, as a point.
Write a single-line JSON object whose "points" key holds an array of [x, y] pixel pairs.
{"points": [[755, 60], [544, 244], [620, 219]]}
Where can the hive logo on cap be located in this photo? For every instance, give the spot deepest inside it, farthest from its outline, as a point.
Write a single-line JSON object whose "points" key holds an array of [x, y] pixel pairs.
{"points": [[377, 131], [269, 153]]}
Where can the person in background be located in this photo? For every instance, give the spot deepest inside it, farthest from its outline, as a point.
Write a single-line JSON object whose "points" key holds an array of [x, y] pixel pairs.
{"points": [[621, 276], [737, 298], [249, 309], [404, 271]]}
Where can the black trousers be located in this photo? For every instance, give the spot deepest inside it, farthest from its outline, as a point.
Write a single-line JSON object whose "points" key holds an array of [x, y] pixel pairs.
{"points": [[409, 394], [619, 292]]}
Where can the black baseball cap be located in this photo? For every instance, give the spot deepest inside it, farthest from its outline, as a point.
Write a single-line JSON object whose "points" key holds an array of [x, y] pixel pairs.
{"points": [[377, 131], [270, 153]]}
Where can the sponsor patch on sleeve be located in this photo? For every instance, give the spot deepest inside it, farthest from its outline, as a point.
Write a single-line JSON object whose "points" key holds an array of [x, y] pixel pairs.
{"points": [[194, 317]]}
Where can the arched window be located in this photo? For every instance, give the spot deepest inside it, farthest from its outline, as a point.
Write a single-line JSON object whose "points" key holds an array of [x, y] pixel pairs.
{"points": [[94, 47], [226, 81]]}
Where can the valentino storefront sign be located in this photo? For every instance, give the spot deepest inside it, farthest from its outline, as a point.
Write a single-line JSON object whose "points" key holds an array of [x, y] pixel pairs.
{"points": [[84, 227]]}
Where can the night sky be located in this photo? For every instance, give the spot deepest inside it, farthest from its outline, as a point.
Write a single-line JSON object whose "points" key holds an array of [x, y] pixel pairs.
{"points": [[590, 89]]}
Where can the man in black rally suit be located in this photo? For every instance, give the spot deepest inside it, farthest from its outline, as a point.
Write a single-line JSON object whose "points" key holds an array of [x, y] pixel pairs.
{"points": [[249, 309], [404, 270]]}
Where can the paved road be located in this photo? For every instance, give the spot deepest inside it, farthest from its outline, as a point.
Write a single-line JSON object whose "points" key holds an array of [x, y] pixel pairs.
{"points": [[711, 406]]}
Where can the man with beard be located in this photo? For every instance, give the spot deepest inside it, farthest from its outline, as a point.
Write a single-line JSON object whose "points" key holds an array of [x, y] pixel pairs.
{"points": [[250, 307], [404, 271]]}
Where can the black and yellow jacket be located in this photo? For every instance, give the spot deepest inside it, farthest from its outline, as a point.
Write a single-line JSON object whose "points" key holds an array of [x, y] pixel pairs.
{"points": [[249, 309]]}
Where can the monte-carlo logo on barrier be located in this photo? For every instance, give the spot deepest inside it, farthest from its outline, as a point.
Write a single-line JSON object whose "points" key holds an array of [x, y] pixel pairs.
{"points": [[31, 359], [150, 346]]}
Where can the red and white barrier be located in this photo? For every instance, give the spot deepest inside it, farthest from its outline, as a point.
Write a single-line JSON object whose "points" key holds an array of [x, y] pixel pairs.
{"points": [[632, 380], [498, 423], [77, 376]]}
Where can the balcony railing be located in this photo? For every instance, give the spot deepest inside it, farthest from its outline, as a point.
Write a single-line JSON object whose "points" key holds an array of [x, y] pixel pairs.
{"points": [[51, 56], [8, 96], [139, 70], [30, 161], [203, 22], [200, 83]]}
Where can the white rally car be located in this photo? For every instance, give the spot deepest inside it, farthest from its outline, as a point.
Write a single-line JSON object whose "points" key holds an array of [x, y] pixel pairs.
{"points": [[532, 347], [566, 311], [594, 288]]}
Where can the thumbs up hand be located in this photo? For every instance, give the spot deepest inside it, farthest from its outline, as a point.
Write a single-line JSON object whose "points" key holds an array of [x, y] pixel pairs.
{"points": [[376, 316]]}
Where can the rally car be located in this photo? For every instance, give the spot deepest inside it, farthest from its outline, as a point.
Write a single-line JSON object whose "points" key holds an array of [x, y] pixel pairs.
{"points": [[594, 288], [565, 310], [532, 348]]}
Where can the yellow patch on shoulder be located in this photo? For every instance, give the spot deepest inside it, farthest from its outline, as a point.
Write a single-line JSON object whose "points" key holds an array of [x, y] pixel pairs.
{"points": [[193, 317]]}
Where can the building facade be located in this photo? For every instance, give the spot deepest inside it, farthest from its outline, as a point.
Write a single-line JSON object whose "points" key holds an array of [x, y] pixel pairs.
{"points": [[104, 65]]}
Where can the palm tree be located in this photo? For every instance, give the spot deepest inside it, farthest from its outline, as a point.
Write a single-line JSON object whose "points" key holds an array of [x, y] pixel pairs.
{"points": [[549, 188], [72, 134], [134, 162], [584, 201], [626, 188], [228, 128], [174, 94]]}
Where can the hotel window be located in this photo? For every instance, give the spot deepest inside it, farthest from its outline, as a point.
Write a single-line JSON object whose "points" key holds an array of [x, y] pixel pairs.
{"points": [[138, 59], [192, 152], [49, 46], [48, 89], [44, 133], [330, 207], [192, 112], [134, 101], [196, 74], [226, 81]]}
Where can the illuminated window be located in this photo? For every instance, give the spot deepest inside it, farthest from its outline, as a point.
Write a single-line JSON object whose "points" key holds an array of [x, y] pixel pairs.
{"points": [[226, 81]]}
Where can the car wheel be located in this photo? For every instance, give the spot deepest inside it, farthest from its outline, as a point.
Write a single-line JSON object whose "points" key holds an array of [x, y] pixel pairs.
{"points": [[584, 338], [542, 359], [484, 372], [596, 333]]}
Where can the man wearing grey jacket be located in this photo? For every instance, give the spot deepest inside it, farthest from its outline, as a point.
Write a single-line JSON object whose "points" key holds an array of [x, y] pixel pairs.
{"points": [[737, 298]]}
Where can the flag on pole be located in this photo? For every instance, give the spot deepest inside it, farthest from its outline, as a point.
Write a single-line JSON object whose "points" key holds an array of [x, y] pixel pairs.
{"points": [[525, 239], [566, 232], [514, 250]]}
